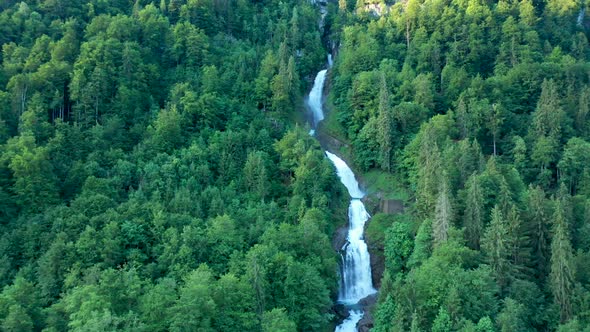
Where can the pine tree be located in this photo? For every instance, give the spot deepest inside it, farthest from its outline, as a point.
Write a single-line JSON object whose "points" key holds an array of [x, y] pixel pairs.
{"points": [[495, 247], [422, 244], [295, 34], [463, 118], [505, 201], [443, 215], [517, 241], [428, 175], [561, 277], [548, 115], [293, 78], [519, 153], [442, 322], [415, 325], [470, 159], [582, 115], [17, 320], [538, 222], [385, 126], [494, 120], [473, 216]]}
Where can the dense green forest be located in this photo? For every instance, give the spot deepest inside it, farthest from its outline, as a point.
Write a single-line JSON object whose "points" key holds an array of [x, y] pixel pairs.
{"points": [[480, 110], [151, 177]]}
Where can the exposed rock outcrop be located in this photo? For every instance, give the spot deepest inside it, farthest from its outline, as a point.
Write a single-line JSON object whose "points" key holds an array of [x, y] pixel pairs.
{"points": [[367, 322]]}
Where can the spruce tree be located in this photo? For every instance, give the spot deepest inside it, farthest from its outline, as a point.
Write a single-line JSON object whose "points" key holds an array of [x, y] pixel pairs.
{"points": [[443, 215], [495, 247], [422, 244], [538, 222], [582, 114], [429, 173], [517, 241], [473, 216], [561, 277], [385, 126]]}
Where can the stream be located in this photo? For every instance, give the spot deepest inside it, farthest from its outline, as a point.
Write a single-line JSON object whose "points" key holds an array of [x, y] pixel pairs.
{"points": [[355, 268]]}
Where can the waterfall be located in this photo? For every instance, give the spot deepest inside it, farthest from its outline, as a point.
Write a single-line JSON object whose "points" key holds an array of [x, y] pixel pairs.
{"points": [[356, 282], [581, 16], [314, 101], [355, 273]]}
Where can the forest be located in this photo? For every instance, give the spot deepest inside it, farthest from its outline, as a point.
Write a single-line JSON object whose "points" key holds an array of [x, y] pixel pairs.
{"points": [[156, 172], [479, 111], [151, 175]]}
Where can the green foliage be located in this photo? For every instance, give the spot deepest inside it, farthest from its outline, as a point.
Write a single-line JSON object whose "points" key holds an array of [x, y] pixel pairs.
{"points": [[194, 309], [277, 320], [495, 247], [150, 178], [487, 119], [398, 247], [145, 154], [442, 322]]}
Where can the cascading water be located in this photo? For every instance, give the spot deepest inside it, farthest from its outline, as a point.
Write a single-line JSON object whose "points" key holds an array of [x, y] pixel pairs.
{"points": [[315, 98], [356, 282], [350, 323]]}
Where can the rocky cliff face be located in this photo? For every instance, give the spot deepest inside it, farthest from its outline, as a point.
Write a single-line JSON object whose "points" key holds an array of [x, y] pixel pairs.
{"points": [[377, 9]]}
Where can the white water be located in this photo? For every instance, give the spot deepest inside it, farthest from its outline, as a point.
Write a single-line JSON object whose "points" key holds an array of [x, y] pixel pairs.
{"points": [[350, 323], [581, 16], [356, 282], [314, 100], [346, 176]]}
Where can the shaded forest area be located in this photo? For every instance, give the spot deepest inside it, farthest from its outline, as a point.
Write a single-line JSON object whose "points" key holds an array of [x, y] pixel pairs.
{"points": [[150, 176], [480, 110]]}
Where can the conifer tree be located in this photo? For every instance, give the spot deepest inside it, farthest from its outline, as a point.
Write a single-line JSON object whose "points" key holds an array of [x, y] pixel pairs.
{"points": [[422, 244], [385, 126], [538, 222], [517, 240], [428, 175], [442, 322], [473, 216], [582, 115], [496, 247], [561, 277], [443, 215], [415, 325], [548, 115]]}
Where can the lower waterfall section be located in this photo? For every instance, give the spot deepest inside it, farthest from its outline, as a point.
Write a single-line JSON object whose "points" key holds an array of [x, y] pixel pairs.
{"points": [[356, 281], [355, 272]]}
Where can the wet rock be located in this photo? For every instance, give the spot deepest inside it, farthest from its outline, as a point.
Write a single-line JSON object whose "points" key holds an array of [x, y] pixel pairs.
{"points": [[377, 265], [368, 301], [330, 143], [377, 255], [366, 323], [339, 239], [341, 312], [376, 250]]}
